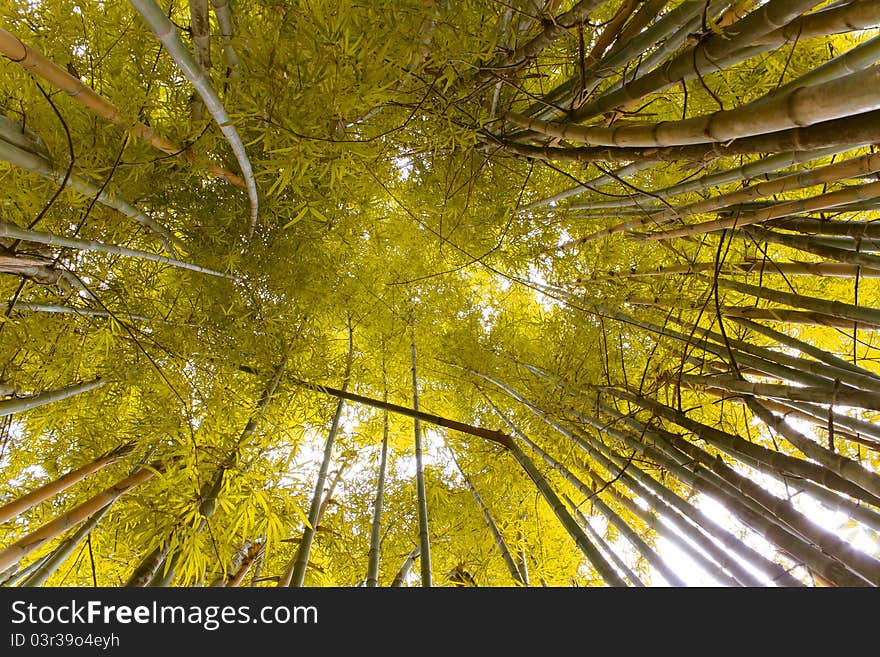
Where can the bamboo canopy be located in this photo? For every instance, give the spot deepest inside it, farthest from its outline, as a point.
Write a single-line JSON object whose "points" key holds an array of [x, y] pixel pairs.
{"points": [[564, 293]]}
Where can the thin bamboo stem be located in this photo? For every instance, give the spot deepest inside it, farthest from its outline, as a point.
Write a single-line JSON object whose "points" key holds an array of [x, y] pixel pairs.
{"points": [[40, 166], [376, 526], [821, 202], [421, 493], [497, 536], [295, 572], [224, 20]]}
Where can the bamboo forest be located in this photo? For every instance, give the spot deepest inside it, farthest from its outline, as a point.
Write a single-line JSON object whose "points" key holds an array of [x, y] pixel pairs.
{"points": [[451, 293]]}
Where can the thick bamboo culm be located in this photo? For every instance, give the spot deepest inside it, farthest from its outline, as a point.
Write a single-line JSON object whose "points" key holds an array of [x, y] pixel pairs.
{"points": [[800, 106], [27, 544], [20, 505]]}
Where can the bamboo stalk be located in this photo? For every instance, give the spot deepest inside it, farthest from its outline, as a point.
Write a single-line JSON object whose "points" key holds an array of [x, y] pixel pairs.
{"points": [[12, 554], [635, 167], [34, 267], [223, 576], [611, 31], [782, 538], [761, 167], [650, 10], [595, 449], [791, 368], [497, 437], [605, 570], [40, 237], [48, 565], [745, 508], [242, 561], [820, 416], [405, 569], [664, 36], [831, 499], [37, 64], [165, 31], [755, 455], [372, 580], [149, 568], [497, 536], [256, 550], [834, 308], [812, 204], [705, 564], [853, 168], [552, 31], [702, 57], [18, 405], [295, 572], [811, 245], [739, 573], [852, 16], [199, 25], [14, 575], [795, 317], [799, 106], [634, 539], [649, 554], [851, 132], [846, 17], [858, 562], [603, 545], [852, 470], [18, 506], [815, 394], [523, 561], [812, 226], [421, 494], [84, 312], [763, 267], [854, 59], [224, 20]]}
